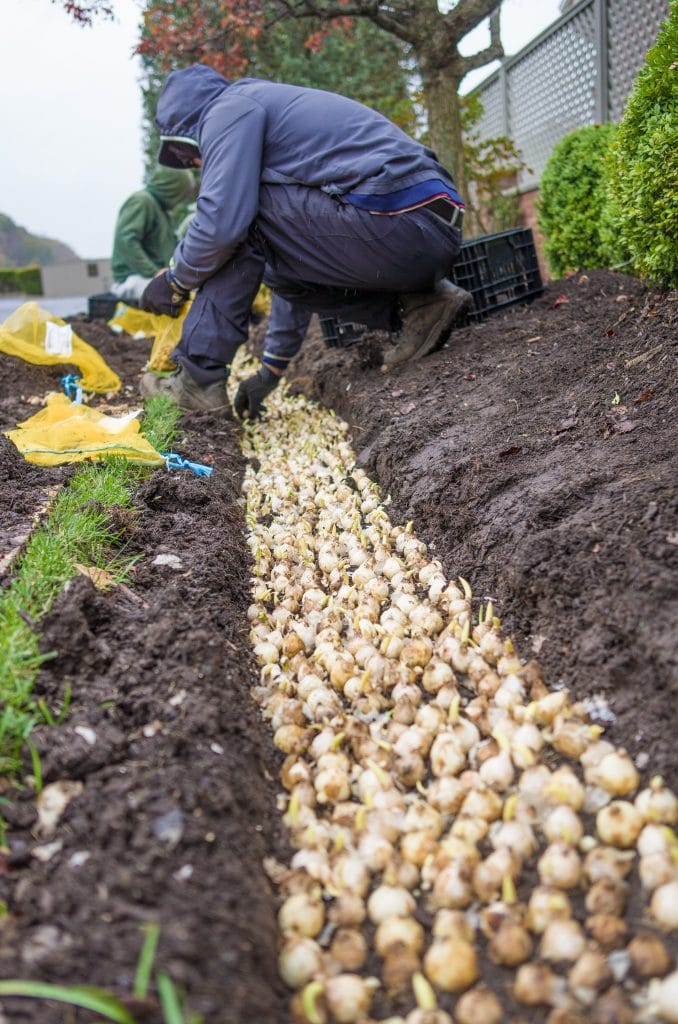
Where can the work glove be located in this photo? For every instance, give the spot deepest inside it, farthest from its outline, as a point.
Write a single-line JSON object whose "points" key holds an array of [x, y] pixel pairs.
{"points": [[164, 295], [249, 398]]}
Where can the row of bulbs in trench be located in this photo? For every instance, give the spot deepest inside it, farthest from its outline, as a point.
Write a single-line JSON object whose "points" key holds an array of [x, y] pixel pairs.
{"points": [[448, 812]]}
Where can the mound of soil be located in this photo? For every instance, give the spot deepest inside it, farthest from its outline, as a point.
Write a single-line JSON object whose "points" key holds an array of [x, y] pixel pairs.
{"points": [[535, 455]]}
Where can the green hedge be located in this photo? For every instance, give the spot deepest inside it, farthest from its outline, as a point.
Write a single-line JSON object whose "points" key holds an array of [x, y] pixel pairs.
{"points": [[644, 163], [572, 200], [21, 279]]}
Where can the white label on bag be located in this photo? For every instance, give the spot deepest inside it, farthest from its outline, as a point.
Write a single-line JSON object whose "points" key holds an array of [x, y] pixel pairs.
{"points": [[58, 339]]}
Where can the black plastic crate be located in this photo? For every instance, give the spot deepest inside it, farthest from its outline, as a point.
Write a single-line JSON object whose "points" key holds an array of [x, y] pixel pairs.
{"points": [[498, 270], [340, 333], [102, 306]]}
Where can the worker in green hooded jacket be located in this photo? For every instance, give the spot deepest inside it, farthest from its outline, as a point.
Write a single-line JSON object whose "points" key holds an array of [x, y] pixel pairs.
{"points": [[144, 234]]}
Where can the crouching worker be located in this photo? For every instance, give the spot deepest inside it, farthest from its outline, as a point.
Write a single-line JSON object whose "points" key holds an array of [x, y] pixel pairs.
{"points": [[326, 201], [144, 237]]}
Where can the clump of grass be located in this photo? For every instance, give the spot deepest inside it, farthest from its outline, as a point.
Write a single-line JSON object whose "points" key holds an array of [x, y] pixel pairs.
{"points": [[161, 418], [77, 530], [104, 1003]]}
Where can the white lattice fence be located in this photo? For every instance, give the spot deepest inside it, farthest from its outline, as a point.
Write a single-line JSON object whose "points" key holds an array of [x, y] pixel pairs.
{"points": [[632, 27], [578, 72]]}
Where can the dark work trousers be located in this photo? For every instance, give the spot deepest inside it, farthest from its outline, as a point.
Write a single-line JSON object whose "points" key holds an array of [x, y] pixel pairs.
{"points": [[320, 254]]}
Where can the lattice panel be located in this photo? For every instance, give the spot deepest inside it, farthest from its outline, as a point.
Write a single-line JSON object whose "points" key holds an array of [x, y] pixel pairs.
{"points": [[552, 91], [491, 123], [632, 28]]}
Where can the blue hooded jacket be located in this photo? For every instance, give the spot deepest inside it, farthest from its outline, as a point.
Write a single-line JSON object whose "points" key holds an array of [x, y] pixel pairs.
{"points": [[253, 131]]}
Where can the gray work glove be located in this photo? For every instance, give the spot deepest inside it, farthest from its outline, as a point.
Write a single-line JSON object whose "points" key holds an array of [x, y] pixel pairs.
{"points": [[250, 396]]}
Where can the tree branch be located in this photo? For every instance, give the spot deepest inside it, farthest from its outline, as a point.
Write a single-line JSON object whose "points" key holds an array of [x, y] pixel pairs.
{"points": [[469, 13], [495, 51], [478, 60], [358, 9]]}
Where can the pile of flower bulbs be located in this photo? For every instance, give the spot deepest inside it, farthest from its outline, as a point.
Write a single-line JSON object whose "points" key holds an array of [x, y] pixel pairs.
{"points": [[448, 812]]}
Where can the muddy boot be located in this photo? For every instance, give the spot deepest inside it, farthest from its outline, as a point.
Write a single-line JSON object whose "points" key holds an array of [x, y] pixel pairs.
{"points": [[186, 392], [427, 318]]}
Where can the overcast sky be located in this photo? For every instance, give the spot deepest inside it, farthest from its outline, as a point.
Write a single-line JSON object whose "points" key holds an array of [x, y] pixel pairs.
{"points": [[70, 120]]}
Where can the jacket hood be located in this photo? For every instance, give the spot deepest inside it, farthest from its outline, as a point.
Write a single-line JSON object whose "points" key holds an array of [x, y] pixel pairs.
{"points": [[184, 98], [171, 187]]}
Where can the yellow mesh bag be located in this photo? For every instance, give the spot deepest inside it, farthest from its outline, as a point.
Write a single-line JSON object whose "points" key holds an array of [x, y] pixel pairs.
{"points": [[36, 336], [165, 329], [136, 322], [65, 432], [166, 340]]}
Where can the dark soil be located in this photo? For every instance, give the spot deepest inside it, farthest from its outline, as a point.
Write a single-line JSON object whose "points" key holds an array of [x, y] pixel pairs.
{"points": [[176, 813], [536, 456]]}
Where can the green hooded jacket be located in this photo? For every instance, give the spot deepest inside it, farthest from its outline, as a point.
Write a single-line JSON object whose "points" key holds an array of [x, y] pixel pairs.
{"points": [[144, 236]]}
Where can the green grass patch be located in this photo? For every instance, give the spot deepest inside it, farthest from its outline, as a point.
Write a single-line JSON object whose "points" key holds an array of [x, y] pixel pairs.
{"points": [[161, 421], [77, 531], [103, 1002]]}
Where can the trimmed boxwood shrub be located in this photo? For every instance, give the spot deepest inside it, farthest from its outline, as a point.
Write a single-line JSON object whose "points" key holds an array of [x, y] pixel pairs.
{"points": [[644, 163], [572, 197], [21, 279]]}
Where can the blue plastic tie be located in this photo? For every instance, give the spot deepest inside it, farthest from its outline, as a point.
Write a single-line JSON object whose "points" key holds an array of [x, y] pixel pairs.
{"points": [[71, 386], [174, 461]]}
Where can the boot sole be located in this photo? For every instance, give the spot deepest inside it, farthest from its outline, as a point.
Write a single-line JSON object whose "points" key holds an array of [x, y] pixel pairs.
{"points": [[436, 337]]}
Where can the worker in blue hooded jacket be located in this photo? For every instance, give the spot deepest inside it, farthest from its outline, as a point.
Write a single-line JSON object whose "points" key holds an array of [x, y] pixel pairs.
{"points": [[327, 201]]}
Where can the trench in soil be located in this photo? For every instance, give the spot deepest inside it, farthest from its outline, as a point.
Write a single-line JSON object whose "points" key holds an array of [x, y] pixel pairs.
{"points": [[519, 473]]}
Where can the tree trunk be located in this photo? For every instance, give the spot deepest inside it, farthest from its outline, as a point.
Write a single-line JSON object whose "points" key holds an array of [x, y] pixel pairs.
{"points": [[441, 96], [444, 118]]}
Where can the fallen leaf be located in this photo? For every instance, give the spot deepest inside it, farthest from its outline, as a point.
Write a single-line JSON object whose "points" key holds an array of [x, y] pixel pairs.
{"points": [[101, 579], [6, 560], [652, 312], [644, 357], [644, 396], [626, 426], [560, 301], [406, 409]]}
